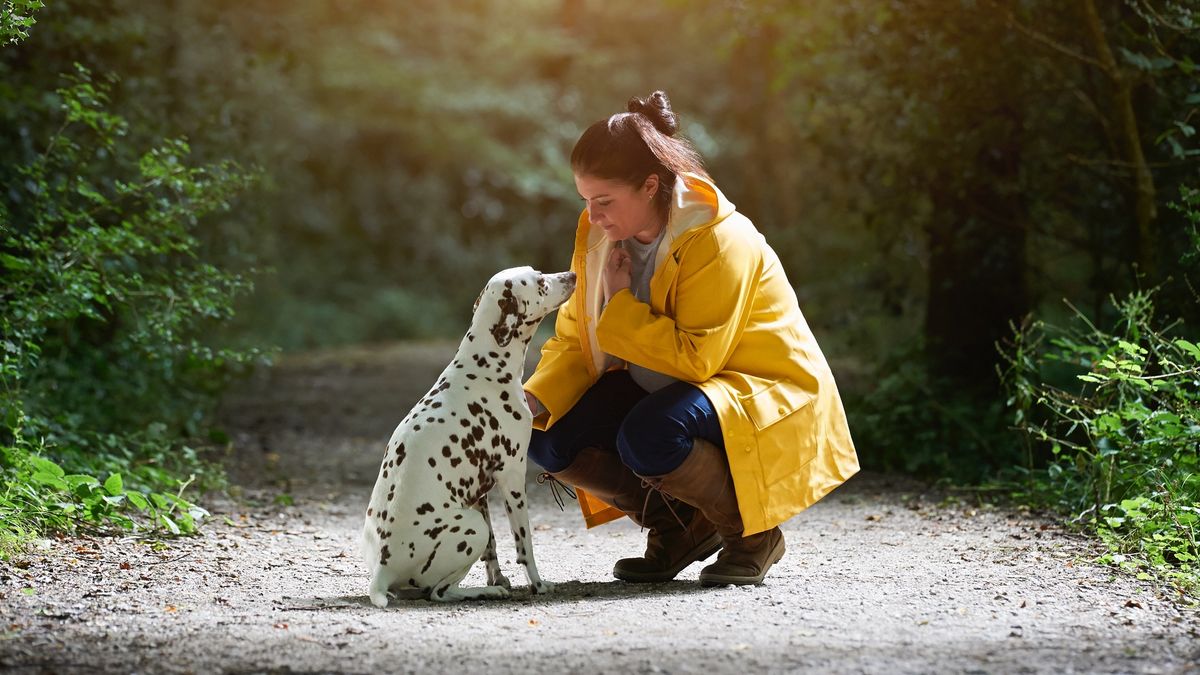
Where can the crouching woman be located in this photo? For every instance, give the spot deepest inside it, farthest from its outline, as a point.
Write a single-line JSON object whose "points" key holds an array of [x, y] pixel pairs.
{"points": [[683, 387]]}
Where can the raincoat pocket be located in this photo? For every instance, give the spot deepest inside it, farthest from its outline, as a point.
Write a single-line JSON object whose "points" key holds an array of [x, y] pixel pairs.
{"points": [[768, 406], [785, 428]]}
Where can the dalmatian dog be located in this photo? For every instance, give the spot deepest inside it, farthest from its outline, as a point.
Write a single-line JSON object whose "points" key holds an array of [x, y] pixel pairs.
{"points": [[427, 521]]}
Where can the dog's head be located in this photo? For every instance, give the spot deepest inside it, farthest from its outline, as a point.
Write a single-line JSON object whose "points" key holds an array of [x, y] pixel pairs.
{"points": [[516, 300]]}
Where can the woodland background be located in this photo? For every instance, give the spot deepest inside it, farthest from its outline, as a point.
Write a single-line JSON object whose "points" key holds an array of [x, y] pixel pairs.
{"points": [[987, 209]]}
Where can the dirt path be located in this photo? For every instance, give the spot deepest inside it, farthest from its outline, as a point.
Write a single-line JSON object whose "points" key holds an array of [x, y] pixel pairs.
{"points": [[882, 576]]}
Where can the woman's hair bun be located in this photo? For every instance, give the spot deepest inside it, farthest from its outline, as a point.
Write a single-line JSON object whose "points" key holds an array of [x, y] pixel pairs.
{"points": [[657, 108]]}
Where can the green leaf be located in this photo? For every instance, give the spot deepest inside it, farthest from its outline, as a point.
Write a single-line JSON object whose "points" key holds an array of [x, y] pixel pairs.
{"points": [[137, 499], [43, 465], [51, 480], [77, 479], [1189, 347], [114, 485], [168, 523]]}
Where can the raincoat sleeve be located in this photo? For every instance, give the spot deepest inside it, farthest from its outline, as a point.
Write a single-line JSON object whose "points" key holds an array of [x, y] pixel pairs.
{"points": [[716, 287], [562, 375]]}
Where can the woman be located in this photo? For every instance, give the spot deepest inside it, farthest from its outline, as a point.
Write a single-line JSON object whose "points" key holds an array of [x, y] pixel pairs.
{"points": [[682, 365]]}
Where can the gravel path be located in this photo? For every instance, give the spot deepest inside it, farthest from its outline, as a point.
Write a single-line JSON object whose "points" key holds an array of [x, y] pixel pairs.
{"points": [[884, 575]]}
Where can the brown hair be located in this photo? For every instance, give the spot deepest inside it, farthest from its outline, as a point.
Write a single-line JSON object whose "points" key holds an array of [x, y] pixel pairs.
{"points": [[630, 146]]}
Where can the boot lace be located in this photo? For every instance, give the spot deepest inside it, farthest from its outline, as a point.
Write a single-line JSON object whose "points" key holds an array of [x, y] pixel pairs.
{"points": [[654, 485], [555, 486]]}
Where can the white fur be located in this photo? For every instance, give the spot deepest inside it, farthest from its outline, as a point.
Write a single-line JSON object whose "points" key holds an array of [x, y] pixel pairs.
{"points": [[427, 520]]}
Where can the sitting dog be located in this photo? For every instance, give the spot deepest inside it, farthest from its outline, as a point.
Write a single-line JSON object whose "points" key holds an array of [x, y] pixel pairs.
{"points": [[427, 521]]}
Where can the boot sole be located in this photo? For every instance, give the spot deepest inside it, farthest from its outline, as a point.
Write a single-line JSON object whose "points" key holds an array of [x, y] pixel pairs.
{"points": [[709, 579], [701, 552]]}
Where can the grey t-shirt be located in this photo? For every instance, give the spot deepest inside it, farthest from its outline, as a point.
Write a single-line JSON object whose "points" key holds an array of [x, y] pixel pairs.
{"points": [[641, 258]]}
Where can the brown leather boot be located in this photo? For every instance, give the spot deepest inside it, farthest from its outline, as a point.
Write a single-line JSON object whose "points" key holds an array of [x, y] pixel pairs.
{"points": [[670, 546], [703, 480]]}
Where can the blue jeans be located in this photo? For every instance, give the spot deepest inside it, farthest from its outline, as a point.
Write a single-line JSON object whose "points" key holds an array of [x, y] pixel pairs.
{"points": [[652, 432]]}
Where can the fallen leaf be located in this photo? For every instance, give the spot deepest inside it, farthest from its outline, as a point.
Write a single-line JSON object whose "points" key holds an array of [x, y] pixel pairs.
{"points": [[126, 566], [1133, 603], [281, 626], [873, 516], [171, 608], [534, 622]]}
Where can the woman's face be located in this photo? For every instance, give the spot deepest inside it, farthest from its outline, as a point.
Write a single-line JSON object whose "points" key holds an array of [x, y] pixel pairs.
{"points": [[620, 210]]}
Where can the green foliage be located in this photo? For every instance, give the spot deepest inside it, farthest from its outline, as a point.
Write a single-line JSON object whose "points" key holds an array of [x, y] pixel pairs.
{"points": [[16, 17], [107, 295], [914, 422], [1118, 412], [38, 495]]}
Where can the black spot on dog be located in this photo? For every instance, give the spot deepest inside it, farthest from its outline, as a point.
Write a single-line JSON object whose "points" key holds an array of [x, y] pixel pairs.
{"points": [[432, 463], [432, 555], [446, 451], [369, 512], [462, 546], [424, 508], [384, 553], [504, 396]]}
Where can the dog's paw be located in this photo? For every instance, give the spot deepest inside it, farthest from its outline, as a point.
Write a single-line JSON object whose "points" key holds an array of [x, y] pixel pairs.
{"points": [[499, 581], [541, 587], [379, 599]]}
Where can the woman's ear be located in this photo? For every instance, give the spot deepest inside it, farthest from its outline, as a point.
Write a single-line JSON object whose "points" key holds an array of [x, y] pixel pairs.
{"points": [[651, 186]]}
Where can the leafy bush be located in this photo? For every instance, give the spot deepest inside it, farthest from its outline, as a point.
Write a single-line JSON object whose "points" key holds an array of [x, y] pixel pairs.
{"points": [[915, 422], [1118, 412], [107, 295]]}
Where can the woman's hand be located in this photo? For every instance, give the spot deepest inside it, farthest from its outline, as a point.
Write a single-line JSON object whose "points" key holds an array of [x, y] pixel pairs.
{"points": [[535, 406], [618, 273]]}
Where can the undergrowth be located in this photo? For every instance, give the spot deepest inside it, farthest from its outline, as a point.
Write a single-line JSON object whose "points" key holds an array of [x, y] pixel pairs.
{"points": [[107, 296], [1112, 420]]}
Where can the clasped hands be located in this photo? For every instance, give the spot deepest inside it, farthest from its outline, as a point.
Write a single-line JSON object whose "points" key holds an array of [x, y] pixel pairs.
{"points": [[618, 273]]}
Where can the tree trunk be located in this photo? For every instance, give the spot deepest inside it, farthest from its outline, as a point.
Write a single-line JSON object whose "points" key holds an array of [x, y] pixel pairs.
{"points": [[1145, 209]]}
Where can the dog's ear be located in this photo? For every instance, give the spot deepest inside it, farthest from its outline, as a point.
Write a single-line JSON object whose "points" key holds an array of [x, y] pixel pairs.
{"points": [[511, 317]]}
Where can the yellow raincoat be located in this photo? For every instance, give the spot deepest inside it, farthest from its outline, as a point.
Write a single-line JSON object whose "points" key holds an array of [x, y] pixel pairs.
{"points": [[722, 316]]}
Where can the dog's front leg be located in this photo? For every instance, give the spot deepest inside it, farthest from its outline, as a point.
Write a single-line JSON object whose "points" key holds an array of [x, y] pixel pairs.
{"points": [[494, 575], [513, 484]]}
